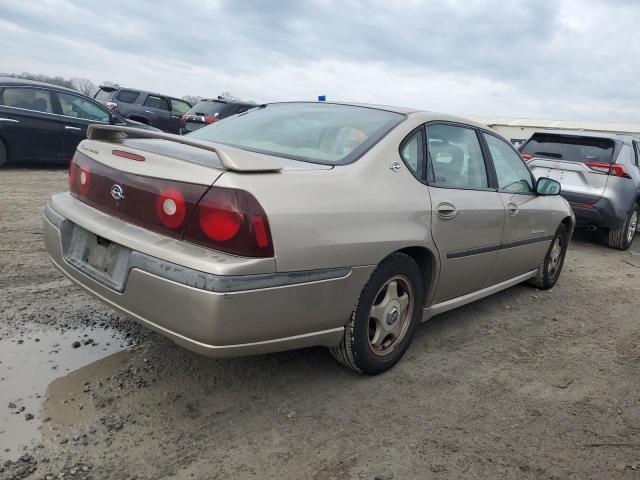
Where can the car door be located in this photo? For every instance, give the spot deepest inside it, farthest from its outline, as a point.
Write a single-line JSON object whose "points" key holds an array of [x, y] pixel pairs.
{"points": [[529, 226], [467, 212], [77, 114], [157, 108], [28, 125], [178, 109]]}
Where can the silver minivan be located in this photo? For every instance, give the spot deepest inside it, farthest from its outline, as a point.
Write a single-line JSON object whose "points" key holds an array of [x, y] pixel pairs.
{"points": [[599, 174]]}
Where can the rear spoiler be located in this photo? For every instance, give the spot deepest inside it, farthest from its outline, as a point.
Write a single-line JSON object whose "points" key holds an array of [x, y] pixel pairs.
{"points": [[231, 158]]}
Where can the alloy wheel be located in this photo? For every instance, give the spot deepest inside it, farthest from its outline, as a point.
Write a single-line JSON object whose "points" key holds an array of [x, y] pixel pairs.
{"points": [[390, 315], [633, 226], [555, 256]]}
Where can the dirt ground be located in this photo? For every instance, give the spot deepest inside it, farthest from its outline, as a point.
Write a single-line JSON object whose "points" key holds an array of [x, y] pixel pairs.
{"points": [[522, 385]]}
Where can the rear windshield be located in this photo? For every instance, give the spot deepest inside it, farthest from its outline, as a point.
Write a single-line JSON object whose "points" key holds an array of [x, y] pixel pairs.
{"points": [[103, 94], [127, 96], [567, 147], [311, 132], [211, 109]]}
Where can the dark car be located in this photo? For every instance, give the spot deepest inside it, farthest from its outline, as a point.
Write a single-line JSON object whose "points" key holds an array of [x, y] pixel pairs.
{"points": [[155, 109], [207, 111], [44, 123]]}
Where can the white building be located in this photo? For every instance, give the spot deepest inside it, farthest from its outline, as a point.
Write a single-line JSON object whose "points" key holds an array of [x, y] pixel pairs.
{"points": [[518, 130]]}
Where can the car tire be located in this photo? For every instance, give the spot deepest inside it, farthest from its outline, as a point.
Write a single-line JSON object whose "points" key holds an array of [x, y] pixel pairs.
{"points": [[622, 237], [3, 154], [384, 320], [550, 268]]}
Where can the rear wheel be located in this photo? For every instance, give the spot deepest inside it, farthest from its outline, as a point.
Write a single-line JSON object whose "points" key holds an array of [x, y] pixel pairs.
{"points": [[622, 237], [550, 268], [3, 154], [384, 320]]}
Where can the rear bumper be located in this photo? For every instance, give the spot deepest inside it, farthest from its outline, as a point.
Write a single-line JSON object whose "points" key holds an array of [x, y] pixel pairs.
{"points": [[601, 213], [218, 315]]}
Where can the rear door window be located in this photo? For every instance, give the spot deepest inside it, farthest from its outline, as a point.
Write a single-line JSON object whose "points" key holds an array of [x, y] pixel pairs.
{"points": [[569, 147], [455, 158], [127, 96], [27, 98], [156, 102]]}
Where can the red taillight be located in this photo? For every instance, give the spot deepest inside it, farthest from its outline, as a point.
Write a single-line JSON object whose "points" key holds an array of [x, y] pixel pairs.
{"points": [[526, 156], [84, 179], [209, 120], [232, 221], [583, 205], [608, 168], [171, 208], [72, 172], [129, 155]]}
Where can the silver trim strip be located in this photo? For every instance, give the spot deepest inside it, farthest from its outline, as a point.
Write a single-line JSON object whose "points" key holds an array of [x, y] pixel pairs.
{"points": [[442, 307], [10, 120]]}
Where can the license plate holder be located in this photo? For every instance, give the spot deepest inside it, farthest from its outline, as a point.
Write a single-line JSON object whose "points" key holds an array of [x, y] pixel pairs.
{"points": [[103, 260]]}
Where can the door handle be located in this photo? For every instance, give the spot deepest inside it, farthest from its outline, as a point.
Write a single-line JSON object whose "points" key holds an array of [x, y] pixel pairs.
{"points": [[68, 127], [9, 120], [447, 210], [512, 209]]}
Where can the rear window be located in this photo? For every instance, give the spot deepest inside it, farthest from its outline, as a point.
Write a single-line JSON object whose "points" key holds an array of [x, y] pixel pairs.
{"points": [[210, 109], [568, 147], [311, 132], [103, 94], [127, 96]]}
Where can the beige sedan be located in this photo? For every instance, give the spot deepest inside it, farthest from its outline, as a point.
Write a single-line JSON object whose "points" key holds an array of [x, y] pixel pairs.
{"points": [[300, 224]]}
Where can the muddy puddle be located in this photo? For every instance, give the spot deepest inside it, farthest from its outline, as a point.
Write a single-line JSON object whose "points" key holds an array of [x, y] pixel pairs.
{"points": [[41, 381]]}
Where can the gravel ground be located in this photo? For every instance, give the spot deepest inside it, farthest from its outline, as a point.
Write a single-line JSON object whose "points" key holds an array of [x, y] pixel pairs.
{"points": [[525, 384]]}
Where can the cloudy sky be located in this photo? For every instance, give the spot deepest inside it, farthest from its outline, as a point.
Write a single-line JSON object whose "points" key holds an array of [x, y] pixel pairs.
{"points": [[561, 59]]}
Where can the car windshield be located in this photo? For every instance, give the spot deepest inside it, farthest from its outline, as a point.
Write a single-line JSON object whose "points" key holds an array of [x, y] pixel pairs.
{"points": [[311, 132], [568, 147]]}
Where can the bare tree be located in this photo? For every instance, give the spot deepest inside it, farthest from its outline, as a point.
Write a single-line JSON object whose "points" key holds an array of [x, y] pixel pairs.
{"points": [[84, 85], [192, 99]]}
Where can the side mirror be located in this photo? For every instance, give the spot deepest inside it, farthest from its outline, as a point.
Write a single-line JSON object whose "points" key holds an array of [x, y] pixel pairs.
{"points": [[547, 186]]}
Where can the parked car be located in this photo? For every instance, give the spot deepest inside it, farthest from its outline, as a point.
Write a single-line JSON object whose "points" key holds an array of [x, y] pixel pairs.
{"points": [[600, 177], [208, 111], [300, 224], [40, 122], [160, 111]]}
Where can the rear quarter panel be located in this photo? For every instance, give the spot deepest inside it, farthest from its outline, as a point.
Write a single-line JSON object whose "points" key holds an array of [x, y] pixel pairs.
{"points": [[351, 215]]}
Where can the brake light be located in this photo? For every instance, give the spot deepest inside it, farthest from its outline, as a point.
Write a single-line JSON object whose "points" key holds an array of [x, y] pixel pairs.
{"points": [[171, 207], [614, 169], [209, 120], [129, 155], [72, 172], [526, 156], [183, 118], [232, 221], [84, 179]]}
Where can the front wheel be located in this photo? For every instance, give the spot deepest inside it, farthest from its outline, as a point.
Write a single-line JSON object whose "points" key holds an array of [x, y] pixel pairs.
{"points": [[384, 320], [550, 268], [622, 237]]}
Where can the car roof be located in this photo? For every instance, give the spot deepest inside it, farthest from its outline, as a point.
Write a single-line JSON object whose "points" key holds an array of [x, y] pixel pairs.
{"points": [[4, 81], [226, 100], [424, 114], [626, 137], [113, 88]]}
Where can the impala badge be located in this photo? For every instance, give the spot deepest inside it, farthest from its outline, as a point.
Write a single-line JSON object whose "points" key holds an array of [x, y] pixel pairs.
{"points": [[117, 193], [395, 166]]}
